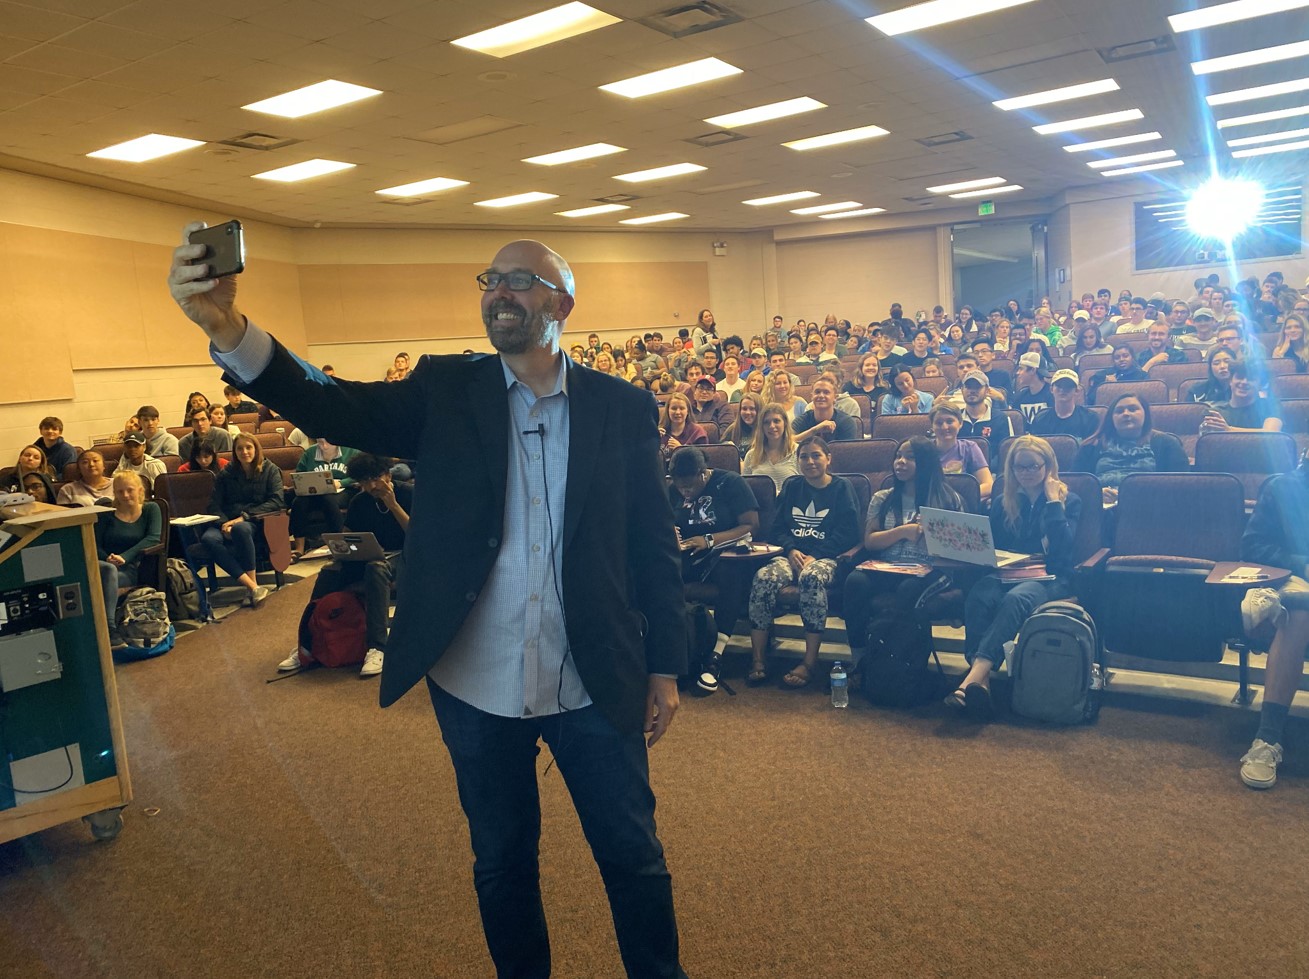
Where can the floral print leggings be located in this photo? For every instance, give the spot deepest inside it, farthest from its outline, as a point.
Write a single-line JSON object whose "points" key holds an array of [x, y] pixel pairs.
{"points": [[814, 581]]}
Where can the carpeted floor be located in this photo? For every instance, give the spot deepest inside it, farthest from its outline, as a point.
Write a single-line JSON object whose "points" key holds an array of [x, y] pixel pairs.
{"points": [[304, 832]]}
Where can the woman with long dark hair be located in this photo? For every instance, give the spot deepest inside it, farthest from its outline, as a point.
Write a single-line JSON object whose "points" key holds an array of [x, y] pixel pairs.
{"points": [[1126, 442], [1218, 385], [203, 456], [249, 487], [1089, 341], [893, 534]]}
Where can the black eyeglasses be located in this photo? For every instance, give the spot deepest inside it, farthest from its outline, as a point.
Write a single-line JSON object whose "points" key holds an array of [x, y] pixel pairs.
{"points": [[517, 281]]}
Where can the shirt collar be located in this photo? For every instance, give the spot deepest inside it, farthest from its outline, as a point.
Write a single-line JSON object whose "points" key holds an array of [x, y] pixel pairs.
{"points": [[561, 381]]}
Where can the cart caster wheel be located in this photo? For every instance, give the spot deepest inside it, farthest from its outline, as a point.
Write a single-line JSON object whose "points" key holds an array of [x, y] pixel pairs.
{"points": [[105, 825]]}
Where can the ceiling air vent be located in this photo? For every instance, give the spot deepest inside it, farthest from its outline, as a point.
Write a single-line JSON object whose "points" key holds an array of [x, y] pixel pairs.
{"points": [[1136, 49], [944, 139], [716, 138], [923, 199], [617, 199], [405, 201], [691, 18], [258, 141]]}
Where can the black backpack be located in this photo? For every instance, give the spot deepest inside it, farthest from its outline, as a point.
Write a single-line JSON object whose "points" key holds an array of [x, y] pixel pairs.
{"points": [[896, 670], [180, 591]]}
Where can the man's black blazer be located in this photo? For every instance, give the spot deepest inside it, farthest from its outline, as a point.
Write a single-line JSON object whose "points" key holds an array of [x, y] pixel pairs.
{"points": [[622, 586]]}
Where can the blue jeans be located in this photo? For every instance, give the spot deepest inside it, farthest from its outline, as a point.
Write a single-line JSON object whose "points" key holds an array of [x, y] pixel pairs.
{"points": [[608, 777], [234, 554], [994, 612]]}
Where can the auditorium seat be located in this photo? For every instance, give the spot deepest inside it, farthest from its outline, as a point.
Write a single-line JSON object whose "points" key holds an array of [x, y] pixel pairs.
{"points": [[1151, 392], [270, 440], [1174, 374], [899, 427], [722, 455], [1181, 419], [1249, 456], [1295, 421], [872, 457], [1287, 386], [1064, 446]]}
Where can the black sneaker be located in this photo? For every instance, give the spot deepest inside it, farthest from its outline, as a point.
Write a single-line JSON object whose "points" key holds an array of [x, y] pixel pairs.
{"points": [[708, 678]]}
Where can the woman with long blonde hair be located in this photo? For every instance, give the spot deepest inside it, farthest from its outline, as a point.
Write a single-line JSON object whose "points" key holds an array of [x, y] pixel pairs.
{"points": [[1292, 342], [772, 453], [778, 390], [1032, 512]]}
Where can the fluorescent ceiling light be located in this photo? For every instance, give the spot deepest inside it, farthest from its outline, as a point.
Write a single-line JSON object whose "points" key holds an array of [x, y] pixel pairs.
{"points": [[1105, 144], [799, 195], [312, 98], [1267, 137], [302, 171], [577, 153], [1115, 161], [836, 139], [1279, 148], [765, 113], [1258, 92], [1090, 122], [421, 187], [1008, 189], [1227, 13], [1247, 59], [586, 212], [827, 208], [531, 197], [1058, 95], [658, 173], [1275, 114], [652, 218], [144, 148], [1142, 168], [555, 24], [966, 185], [679, 76], [936, 12], [854, 214]]}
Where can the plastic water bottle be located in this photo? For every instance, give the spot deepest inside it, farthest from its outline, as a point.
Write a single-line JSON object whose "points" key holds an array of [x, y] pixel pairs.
{"points": [[840, 685]]}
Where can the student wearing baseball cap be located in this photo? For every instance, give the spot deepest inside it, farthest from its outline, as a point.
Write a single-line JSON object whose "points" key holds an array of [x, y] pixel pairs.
{"points": [[1031, 391], [1065, 416]]}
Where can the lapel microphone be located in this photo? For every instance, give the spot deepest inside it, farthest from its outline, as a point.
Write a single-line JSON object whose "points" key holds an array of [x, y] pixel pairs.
{"points": [[538, 431]]}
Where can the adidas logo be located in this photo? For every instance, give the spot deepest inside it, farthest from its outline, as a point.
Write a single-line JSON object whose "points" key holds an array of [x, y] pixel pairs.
{"points": [[807, 517]]}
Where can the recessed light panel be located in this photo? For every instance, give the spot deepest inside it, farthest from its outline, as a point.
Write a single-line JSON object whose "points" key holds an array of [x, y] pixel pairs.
{"points": [[421, 187], [312, 98], [1117, 161], [1009, 189], [531, 197], [587, 212], [659, 173], [1090, 122], [1268, 137], [667, 79], [1258, 92], [654, 218], [1058, 95], [526, 33], [1271, 116], [827, 208], [1247, 59], [862, 212], [1229, 13], [936, 12], [144, 148], [836, 139], [766, 113], [798, 195], [1105, 144], [1279, 148], [965, 185], [303, 171], [588, 152], [1143, 168]]}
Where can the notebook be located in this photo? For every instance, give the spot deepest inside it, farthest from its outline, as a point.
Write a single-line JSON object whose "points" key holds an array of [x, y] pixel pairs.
{"points": [[963, 537], [313, 483]]}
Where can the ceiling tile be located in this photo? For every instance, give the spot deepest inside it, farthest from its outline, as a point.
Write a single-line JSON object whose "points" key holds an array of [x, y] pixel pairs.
{"points": [[34, 23]]}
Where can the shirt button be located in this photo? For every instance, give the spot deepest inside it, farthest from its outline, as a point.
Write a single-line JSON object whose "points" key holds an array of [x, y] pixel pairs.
{"points": [[471, 597], [536, 457], [535, 597], [492, 542], [536, 548], [536, 501]]}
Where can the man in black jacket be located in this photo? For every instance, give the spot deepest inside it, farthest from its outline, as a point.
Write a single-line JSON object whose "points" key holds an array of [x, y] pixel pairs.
{"points": [[541, 597]]}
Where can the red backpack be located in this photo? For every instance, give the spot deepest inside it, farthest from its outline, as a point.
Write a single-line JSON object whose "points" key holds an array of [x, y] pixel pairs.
{"points": [[334, 629]]}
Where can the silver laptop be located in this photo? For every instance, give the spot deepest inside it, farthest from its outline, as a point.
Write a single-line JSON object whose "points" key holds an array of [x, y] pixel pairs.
{"points": [[964, 537], [314, 483], [354, 547]]}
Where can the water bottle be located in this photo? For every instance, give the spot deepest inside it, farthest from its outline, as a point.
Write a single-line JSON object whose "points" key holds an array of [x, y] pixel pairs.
{"points": [[840, 685]]}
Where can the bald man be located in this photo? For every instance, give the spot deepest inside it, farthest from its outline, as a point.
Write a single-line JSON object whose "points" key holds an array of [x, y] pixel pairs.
{"points": [[542, 595]]}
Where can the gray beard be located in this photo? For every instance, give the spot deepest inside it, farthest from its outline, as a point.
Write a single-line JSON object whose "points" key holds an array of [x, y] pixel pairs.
{"points": [[520, 337]]}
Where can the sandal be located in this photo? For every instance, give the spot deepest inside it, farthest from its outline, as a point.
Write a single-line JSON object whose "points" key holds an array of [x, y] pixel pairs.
{"points": [[977, 703], [956, 699], [796, 680], [757, 676]]}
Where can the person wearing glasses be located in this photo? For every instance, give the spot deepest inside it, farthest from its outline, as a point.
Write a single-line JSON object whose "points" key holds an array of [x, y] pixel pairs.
{"points": [[550, 609]]}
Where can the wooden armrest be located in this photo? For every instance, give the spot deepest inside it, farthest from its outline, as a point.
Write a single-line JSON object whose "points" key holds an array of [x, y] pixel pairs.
{"points": [[1095, 562]]}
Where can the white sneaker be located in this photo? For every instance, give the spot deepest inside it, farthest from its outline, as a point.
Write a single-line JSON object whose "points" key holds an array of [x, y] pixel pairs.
{"points": [[292, 662], [372, 663], [1260, 605], [1259, 765]]}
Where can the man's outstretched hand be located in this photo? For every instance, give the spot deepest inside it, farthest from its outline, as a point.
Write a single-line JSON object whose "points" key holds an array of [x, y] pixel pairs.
{"points": [[209, 303]]}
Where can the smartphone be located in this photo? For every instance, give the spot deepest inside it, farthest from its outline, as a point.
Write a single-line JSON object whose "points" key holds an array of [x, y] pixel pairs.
{"points": [[224, 249]]}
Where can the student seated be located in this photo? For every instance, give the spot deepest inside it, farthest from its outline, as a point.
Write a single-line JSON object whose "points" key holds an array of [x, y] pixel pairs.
{"points": [[676, 427], [194, 400], [203, 457], [772, 452], [382, 509], [712, 507], [218, 420], [958, 455], [707, 405], [1066, 416], [1126, 442], [329, 508], [892, 533], [31, 459], [905, 398], [778, 390], [822, 418], [741, 432], [91, 485], [1123, 368], [250, 486], [58, 453], [1278, 535], [237, 403], [202, 426], [1032, 512], [157, 440], [817, 521], [1218, 385], [39, 487], [1244, 410], [136, 459], [121, 537]]}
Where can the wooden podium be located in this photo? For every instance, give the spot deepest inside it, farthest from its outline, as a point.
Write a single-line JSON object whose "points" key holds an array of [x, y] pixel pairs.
{"points": [[62, 754]]}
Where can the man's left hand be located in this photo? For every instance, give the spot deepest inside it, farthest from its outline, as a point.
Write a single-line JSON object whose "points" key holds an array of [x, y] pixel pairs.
{"points": [[660, 706]]}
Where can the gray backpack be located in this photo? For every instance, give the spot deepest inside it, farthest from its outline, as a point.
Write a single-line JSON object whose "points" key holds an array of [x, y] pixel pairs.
{"points": [[143, 617], [1056, 665]]}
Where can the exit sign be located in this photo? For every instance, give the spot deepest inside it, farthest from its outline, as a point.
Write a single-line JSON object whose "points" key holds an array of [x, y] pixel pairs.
{"points": [[985, 208]]}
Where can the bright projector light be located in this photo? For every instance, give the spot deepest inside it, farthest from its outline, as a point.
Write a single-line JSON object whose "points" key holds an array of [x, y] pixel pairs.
{"points": [[1222, 208]]}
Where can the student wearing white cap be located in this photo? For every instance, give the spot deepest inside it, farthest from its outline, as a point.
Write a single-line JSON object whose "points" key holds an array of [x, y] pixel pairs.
{"points": [[1065, 416]]}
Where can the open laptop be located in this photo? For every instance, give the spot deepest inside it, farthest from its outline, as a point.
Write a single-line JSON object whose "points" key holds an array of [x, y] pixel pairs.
{"points": [[963, 537], [354, 547], [313, 483]]}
